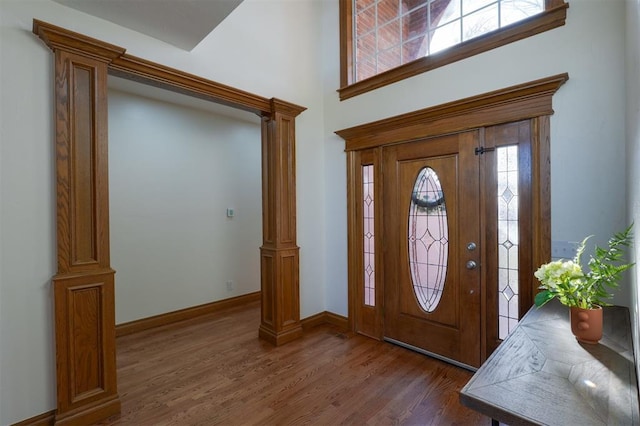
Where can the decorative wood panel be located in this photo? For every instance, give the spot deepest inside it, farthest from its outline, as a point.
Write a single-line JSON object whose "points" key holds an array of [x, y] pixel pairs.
{"points": [[83, 144], [84, 284], [267, 274], [81, 162], [287, 194], [280, 319], [85, 333], [290, 312], [85, 347]]}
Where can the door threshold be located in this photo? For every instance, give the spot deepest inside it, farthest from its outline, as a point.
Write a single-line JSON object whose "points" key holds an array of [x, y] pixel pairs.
{"points": [[431, 354]]}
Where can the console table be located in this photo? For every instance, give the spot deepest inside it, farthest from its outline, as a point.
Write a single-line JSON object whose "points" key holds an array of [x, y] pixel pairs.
{"points": [[541, 374]]}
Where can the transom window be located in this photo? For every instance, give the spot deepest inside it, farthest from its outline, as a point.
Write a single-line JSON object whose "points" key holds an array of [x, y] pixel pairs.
{"points": [[388, 40]]}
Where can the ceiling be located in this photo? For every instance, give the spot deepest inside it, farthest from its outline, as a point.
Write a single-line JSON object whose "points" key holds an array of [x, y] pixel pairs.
{"points": [[181, 23]]}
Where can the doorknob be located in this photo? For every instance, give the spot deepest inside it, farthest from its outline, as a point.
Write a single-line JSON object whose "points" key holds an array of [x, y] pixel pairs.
{"points": [[471, 246], [472, 264]]}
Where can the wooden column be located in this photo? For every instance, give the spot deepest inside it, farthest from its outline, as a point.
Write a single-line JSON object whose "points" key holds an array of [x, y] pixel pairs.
{"points": [[279, 254], [84, 283]]}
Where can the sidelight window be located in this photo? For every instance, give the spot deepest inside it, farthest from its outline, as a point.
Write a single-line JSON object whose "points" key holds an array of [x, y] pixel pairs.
{"points": [[508, 238], [368, 236]]}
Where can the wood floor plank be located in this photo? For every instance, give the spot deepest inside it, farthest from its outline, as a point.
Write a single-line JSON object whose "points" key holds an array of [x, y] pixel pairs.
{"points": [[214, 370]]}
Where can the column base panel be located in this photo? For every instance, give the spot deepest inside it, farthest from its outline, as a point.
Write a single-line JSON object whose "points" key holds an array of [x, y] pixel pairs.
{"points": [[281, 338], [90, 414]]}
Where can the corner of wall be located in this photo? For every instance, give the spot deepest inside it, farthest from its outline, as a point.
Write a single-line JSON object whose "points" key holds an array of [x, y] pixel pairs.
{"points": [[632, 69]]}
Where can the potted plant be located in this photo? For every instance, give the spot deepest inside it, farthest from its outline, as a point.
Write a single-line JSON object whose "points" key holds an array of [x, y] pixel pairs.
{"points": [[585, 292]]}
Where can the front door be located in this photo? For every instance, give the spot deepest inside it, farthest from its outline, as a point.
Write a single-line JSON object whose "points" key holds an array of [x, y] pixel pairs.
{"points": [[431, 225]]}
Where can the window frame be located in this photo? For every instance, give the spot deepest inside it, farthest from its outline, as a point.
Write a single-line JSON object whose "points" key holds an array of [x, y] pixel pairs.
{"points": [[554, 16]]}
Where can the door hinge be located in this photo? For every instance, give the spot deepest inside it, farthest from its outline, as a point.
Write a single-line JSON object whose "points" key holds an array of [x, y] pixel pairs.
{"points": [[482, 150]]}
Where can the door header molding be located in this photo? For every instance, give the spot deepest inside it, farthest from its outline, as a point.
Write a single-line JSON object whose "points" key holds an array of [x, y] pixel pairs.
{"points": [[127, 66], [523, 101]]}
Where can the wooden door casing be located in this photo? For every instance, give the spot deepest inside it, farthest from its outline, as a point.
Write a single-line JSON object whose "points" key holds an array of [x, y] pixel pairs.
{"points": [[529, 102]]}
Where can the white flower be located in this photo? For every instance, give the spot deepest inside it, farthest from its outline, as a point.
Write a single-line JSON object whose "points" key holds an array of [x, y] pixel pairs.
{"points": [[555, 273]]}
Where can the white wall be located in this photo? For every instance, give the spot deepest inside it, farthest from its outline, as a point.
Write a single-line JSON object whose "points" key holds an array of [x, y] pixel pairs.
{"points": [[27, 240], [279, 41], [289, 50], [633, 157], [173, 172], [281, 62], [588, 180]]}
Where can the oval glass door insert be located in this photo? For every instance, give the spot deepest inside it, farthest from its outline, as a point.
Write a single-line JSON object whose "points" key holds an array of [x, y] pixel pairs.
{"points": [[428, 238]]}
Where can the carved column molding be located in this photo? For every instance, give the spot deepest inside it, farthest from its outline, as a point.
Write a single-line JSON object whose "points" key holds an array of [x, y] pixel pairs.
{"points": [[84, 284], [279, 254]]}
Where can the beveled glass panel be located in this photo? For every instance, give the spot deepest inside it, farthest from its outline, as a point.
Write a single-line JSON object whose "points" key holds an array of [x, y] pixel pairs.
{"points": [[508, 238], [428, 239], [368, 236]]}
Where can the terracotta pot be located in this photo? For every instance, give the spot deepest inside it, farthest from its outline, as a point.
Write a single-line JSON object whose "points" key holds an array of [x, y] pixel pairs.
{"points": [[586, 324]]}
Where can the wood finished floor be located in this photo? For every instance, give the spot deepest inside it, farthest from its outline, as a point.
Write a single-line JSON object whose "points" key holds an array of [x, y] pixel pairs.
{"points": [[215, 371]]}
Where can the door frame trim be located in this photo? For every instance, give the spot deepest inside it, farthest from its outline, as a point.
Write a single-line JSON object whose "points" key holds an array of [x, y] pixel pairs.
{"points": [[532, 100], [515, 103]]}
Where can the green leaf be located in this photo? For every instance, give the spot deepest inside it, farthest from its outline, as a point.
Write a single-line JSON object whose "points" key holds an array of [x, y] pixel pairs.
{"points": [[543, 297], [585, 289]]}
